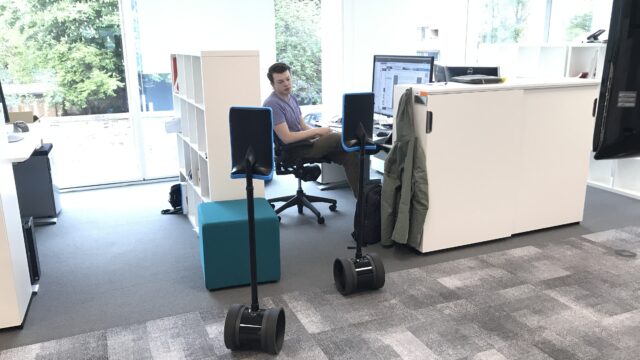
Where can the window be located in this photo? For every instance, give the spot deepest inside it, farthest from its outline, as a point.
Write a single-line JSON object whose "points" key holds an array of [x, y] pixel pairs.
{"points": [[298, 45]]}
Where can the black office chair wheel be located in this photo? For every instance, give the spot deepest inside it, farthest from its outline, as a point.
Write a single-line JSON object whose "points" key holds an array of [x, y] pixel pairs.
{"points": [[300, 209], [333, 207], [378, 270], [279, 218], [273, 326], [321, 220], [231, 325], [261, 330], [344, 276]]}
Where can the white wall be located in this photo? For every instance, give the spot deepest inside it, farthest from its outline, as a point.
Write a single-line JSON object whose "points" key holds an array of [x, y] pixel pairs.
{"points": [[359, 29], [169, 26]]}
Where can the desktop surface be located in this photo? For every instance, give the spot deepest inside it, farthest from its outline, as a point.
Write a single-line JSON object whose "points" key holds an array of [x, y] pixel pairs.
{"points": [[14, 137]]}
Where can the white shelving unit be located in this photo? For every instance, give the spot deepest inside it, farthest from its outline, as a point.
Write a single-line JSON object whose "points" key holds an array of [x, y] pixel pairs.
{"points": [[544, 61], [205, 86]]}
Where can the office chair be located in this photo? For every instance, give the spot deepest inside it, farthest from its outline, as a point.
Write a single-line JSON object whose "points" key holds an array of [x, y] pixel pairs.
{"points": [[303, 170]]}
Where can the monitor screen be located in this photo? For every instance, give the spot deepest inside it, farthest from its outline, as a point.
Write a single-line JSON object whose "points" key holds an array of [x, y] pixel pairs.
{"points": [[357, 112], [390, 70], [251, 127], [617, 128], [4, 110]]}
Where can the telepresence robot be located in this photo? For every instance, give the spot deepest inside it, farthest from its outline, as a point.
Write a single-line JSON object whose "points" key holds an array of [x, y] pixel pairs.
{"points": [[252, 328], [363, 272]]}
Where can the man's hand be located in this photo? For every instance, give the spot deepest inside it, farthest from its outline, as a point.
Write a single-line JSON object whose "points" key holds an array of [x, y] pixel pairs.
{"points": [[322, 131]]}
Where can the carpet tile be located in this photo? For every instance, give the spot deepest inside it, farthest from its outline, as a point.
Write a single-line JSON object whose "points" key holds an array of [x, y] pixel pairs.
{"points": [[571, 299]]}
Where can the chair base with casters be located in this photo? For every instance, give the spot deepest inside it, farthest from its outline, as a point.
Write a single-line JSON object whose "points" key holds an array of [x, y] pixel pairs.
{"points": [[302, 200], [304, 170]]}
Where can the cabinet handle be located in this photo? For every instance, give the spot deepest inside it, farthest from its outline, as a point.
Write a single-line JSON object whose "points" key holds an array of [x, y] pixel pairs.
{"points": [[429, 122], [595, 105]]}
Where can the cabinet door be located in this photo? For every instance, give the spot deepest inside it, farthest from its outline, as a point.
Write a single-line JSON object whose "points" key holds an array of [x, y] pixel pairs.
{"points": [[558, 129], [471, 154]]}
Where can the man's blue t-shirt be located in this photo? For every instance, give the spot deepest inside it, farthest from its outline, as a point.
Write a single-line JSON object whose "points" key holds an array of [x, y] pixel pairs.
{"points": [[284, 111]]}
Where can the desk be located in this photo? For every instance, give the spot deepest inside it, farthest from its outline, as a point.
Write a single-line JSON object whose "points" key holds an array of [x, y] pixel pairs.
{"points": [[20, 151], [503, 159], [15, 283]]}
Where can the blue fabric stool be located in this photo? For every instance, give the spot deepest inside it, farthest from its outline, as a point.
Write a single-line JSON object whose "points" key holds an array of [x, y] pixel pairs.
{"points": [[224, 243]]}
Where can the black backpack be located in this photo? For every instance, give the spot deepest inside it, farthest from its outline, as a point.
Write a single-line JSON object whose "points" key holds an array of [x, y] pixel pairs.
{"points": [[372, 193], [175, 199]]}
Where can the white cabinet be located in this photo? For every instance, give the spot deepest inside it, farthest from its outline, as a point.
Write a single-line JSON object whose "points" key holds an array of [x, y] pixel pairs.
{"points": [[15, 284], [205, 86], [503, 159], [470, 159]]}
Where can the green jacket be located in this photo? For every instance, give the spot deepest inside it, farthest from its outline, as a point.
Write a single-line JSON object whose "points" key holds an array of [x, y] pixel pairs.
{"points": [[405, 196]]}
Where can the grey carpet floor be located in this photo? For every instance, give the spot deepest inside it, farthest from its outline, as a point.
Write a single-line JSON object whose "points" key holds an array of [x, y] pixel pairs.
{"points": [[569, 299]]}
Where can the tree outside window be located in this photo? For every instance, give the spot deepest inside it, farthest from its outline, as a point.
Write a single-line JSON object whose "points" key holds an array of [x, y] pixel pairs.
{"points": [[298, 44], [74, 47]]}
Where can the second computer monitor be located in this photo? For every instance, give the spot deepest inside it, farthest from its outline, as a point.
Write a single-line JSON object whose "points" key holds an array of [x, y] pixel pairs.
{"points": [[391, 70]]}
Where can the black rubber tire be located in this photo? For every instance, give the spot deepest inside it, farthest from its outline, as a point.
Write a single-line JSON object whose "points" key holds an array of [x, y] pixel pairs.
{"points": [[231, 326], [300, 209], [333, 207], [273, 328], [321, 220], [378, 270], [344, 276]]}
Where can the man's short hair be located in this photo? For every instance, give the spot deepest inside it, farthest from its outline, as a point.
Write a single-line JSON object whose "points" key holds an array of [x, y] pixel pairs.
{"points": [[277, 68]]}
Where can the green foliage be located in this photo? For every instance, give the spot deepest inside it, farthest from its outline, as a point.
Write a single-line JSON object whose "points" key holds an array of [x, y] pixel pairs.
{"points": [[73, 43], [298, 45], [578, 26], [505, 21]]}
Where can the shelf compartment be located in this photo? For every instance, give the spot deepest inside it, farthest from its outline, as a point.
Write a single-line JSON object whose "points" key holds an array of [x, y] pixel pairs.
{"points": [[193, 128], [201, 129], [184, 119], [195, 167], [197, 80], [204, 177], [189, 75]]}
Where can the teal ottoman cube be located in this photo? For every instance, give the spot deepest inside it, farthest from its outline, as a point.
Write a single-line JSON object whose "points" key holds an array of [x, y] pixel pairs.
{"points": [[224, 243]]}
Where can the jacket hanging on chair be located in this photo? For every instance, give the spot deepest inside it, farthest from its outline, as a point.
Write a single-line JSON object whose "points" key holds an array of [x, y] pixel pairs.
{"points": [[405, 196]]}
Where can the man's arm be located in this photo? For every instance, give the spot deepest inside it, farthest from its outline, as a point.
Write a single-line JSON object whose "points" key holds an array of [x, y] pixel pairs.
{"points": [[303, 125], [287, 137]]}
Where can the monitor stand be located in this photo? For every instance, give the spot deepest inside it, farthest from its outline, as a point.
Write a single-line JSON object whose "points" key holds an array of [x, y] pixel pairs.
{"points": [[13, 137]]}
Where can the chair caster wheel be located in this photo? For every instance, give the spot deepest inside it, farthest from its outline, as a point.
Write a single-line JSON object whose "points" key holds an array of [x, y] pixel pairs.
{"points": [[333, 207], [321, 220], [273, 206], [279, 218]]}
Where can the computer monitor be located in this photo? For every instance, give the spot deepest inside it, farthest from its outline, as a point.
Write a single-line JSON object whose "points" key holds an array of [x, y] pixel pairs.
{"points": [[446, 73], [390, 70], [617, 127]]}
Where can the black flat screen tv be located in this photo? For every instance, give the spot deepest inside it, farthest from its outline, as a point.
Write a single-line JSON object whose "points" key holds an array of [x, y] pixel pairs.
{"points": [[4, 110], [617, 129]]}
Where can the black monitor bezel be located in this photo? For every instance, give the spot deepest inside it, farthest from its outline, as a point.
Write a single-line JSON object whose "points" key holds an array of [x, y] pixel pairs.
{"points": [[400, 58], [5, 110]]}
